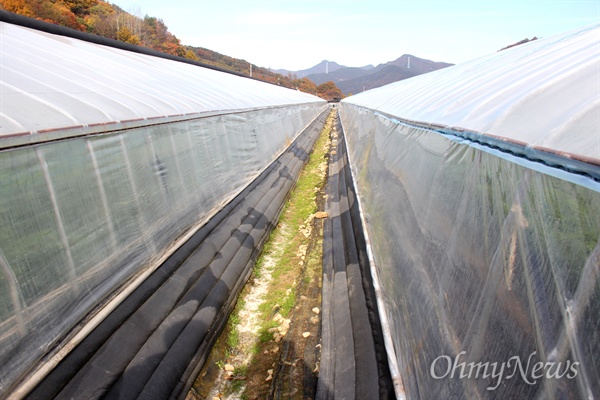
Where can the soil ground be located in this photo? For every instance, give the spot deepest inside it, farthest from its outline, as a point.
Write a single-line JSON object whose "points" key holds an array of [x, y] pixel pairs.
{"points": [[271, 345]]}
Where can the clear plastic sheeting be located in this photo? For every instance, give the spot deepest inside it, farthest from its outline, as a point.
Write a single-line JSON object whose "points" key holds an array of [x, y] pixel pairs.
{"points": [[544, 94], [80, 216], [488, 261], [352, 361], [480, 260], [57, 85], [153, 344]]}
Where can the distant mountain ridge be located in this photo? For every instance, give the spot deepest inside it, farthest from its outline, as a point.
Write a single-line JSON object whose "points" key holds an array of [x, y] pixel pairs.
{"points": [[352, 80], [322, 67]]}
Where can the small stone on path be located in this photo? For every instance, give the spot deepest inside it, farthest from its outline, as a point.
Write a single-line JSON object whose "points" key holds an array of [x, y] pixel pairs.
{"points": [[229, 367]]}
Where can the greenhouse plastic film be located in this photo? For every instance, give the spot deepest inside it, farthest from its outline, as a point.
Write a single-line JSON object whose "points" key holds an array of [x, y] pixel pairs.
{"points": [[121, 354], [479, 188], [55, 86], [353, 362], [543, 96], [81, 216], [489, 264]]}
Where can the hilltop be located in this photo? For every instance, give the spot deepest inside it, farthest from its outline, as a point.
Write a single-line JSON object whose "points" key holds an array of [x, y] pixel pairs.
{"points": [[358, 79], [324, 66]]}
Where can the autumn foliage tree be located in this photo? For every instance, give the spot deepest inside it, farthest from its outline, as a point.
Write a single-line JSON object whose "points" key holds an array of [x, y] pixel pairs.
{"points": [[18, 7], [306, 85], [57, 12], [124, 34], [104, 19], [157, 36], [329, 91]]}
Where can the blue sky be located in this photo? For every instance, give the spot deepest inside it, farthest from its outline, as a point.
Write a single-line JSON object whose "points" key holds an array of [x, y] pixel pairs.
{"points": [[299, 34]]}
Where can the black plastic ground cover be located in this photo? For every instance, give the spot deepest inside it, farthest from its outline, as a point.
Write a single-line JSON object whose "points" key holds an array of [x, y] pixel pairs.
{"points": [[353, 361], [154, 343]]}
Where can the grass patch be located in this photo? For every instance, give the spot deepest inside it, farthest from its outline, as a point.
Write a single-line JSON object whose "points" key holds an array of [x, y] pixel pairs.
{"points": [[263, 334], [237, 384], [282, 249], [234, 319], [242, 370], [255, 348], [233, 338], [288, 303]]}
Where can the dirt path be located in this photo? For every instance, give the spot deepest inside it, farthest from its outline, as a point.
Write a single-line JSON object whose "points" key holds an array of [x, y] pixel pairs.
{"points": [[270, 348]]}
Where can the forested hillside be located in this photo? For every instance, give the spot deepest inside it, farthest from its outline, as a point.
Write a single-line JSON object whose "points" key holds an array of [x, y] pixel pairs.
{"points": [[109, 20], [103, 19]]}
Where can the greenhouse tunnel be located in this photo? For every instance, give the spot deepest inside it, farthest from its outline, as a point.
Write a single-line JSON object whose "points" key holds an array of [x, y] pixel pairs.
{"points": [[463, 219], [478, 187], [136, 193]]}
